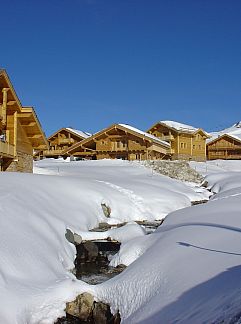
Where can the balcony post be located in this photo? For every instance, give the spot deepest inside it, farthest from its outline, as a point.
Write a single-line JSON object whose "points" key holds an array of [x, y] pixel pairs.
{"points": [[4, 106]]}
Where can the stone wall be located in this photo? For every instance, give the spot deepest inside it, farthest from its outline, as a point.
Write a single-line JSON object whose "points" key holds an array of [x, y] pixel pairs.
{"points": [[23, 163], [180, 170]]}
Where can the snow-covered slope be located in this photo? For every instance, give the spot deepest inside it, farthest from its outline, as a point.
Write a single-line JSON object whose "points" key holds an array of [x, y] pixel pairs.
{"points": [[187, 271], [35, 210], [216, 166], [190, 268], [234, 131]]}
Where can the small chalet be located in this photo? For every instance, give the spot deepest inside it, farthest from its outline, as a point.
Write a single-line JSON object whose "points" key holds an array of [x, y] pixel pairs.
{"points": [[187, 142], [225, 144], [60, 141], [20, 130], [121, 141], [225, 147]]}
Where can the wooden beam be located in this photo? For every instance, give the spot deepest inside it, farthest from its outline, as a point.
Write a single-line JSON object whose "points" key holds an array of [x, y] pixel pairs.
{"points": [[11, 103], [29, 124], [33, 136], [24, 115]]}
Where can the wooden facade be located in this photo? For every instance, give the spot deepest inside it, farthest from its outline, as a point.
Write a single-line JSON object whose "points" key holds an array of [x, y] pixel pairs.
{"points": [[187, 142], [20, 130], [120, 142], [60, 141], [225, 147]]}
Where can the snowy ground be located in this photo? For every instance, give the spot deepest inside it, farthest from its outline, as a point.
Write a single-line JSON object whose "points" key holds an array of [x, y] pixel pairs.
{"points": [[216, 166], [187, 271]]}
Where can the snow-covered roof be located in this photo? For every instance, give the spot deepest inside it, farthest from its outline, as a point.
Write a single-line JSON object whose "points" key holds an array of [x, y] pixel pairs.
{"points": [[79, 132], [145, 134], [179, 126], [233, 131]]}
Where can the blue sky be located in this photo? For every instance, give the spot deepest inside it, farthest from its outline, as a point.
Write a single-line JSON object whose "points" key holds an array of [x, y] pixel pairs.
{"points": [[90, 63]]}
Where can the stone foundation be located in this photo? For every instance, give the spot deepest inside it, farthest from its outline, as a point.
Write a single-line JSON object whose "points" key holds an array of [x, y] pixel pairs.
{"points": [[23, 163]]}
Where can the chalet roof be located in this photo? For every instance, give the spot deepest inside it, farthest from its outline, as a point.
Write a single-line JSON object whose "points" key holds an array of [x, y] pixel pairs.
{"points": [[236, 138], [16, 102], [82, 135], [180, 128], [79, 132], [140, 132], [33, 128], [233, 131], [124, 127]]}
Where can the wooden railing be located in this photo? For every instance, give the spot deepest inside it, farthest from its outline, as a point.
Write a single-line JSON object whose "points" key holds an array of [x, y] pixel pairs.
{"points": [[66, 140], [167, 138], [52, 152], [6, 149]]}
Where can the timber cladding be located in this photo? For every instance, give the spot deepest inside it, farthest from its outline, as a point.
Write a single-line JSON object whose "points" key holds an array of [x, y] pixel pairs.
{"points": [[121, 141], [187, 142], [60, 141], [20, 130], [224, 147]]}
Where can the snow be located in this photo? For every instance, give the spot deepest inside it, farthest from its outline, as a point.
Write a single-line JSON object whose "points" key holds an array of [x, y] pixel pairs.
{"points": [[179, 126], [79, 132], [187, 271], [190, 271], [216, 166], [233, 131], [145, 134]]}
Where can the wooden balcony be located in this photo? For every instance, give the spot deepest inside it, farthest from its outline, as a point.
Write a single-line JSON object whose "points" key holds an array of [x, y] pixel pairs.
{"points": [[224, 148], [167, 138], [6, 149], [52, 152], [65, 141]]}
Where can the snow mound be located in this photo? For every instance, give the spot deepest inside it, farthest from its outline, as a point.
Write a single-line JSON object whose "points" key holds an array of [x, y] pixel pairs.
{"points": [[36, 210]]}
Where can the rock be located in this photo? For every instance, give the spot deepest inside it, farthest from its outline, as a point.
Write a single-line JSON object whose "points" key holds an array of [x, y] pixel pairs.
{"points": [[69, 236], [73, 238], [205, 184], [85, 310], [101, 313], [81, 307], [106, 210], [180, 170], [77, 239], [92, 250]]}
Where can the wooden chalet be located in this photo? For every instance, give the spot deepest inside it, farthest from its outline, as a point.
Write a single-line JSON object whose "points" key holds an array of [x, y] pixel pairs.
{"points": [[20, 130], [60, 141], [187, 142], [225, 146], [121, 141]]}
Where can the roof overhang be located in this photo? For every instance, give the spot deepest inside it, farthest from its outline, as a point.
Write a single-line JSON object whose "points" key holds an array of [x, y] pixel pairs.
{"points": [[13, 103], [82, 144], [222, 136], [32, 127]]}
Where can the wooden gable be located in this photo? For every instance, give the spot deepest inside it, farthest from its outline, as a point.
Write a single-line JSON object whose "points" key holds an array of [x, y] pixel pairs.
{"points": [[118, 141]]}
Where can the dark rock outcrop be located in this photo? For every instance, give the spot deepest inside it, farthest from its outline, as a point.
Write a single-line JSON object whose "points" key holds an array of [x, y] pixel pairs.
{"points": [[85, 310]]}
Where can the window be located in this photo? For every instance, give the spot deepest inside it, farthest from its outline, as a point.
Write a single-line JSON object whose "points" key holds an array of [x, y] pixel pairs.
{"points": [[194, 146], [182, 145]]}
